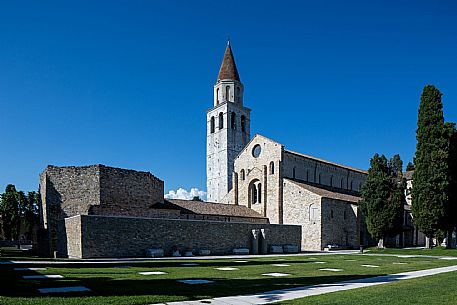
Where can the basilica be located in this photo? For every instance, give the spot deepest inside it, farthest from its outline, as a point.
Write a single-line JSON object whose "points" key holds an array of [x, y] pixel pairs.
{"points": [[282, 185], [262, 197]]}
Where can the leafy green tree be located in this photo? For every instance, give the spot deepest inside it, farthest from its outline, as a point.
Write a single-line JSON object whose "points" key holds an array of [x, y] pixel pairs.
{"points": [[430, 178], [409, 167], [197, 198], [451, 212], [383, 197], [9, 209]]}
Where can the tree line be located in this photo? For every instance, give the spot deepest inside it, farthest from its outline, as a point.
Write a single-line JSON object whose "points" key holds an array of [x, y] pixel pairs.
{"points": [[434, 180], [19, 213]]}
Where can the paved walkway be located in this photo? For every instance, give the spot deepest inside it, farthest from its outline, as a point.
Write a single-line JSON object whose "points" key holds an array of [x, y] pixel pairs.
{"points": [[306, 291]]}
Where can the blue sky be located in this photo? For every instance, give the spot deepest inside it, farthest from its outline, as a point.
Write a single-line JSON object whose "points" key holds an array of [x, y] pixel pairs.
{"points": [[127, 83]]}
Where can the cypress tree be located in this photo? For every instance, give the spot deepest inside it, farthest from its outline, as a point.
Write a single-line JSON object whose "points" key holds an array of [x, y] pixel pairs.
{"points": [[451, 211], [430, 178], [383, 197], [409, 167]]}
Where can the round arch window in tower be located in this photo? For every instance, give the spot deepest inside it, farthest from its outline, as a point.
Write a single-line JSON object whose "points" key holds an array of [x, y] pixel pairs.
{"points": [[256, 151]]}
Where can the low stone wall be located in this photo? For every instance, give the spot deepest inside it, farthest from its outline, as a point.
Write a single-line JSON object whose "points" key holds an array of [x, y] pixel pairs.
{"points": [[112, 236]]}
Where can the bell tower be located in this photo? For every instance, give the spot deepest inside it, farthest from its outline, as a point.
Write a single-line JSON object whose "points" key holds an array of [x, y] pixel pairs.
{"points": [[228, 128]]}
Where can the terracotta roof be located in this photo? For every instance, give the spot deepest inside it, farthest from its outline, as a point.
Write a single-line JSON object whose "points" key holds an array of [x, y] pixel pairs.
{"points": [[408, 175], [327, 162], [208, 208], [228, 67], [327, 193]]}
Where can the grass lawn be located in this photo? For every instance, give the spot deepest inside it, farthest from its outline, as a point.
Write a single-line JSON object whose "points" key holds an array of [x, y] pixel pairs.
{"points": [[437, 251], [111, 285], [430, 290]]}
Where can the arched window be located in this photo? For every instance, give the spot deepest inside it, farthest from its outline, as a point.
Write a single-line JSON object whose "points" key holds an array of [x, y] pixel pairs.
{"points": [[272, 168], [227, 93], [242, 175], [259, 192], [313, 212], [293, 173], [217, 96], [255, 192], [212, 124], [233, 120], [221, 120], [243, 123]]}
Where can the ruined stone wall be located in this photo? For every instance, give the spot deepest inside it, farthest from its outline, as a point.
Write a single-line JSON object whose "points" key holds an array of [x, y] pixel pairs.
{"points": [[302, 207], [73, 237], [108, 236], [81, 190], [129, 188], [340, 223]]}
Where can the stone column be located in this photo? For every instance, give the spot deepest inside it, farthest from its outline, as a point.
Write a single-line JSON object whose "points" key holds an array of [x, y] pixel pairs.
{"points": [[235, 187], [255, 241], [280, 193], [265, 175], [263, 241]]}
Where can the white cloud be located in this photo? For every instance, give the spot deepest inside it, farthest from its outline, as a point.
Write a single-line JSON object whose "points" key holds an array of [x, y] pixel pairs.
{"points": [[184, 194]]}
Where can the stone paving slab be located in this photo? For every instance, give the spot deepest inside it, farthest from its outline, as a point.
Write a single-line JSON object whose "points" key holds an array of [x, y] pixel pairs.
{"points": [[152, 273], [305, 291], [42, 276], [63, 289]]}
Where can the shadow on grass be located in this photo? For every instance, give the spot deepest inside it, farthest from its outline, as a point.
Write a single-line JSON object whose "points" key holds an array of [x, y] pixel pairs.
{"points": [[12, 285]]}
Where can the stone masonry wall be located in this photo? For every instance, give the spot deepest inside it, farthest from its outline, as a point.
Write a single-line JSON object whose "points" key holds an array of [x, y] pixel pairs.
{"points": [[73, 236], [302, 207], [340, 223], [81, 190], [108, 236]]}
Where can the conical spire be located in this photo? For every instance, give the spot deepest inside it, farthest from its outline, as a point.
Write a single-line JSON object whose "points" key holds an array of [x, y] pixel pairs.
{"points": [[228, 67]]}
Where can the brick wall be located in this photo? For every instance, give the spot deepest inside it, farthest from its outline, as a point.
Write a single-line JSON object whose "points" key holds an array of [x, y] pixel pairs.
{"points": [[109, 236]]}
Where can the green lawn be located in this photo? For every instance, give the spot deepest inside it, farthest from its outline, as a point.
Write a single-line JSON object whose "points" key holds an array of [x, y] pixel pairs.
{"points": [[438, 251], [430, 290], [125, 286]]}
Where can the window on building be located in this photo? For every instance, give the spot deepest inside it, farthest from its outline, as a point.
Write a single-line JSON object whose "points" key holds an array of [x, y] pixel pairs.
{"points": [[331, 180], [331, 213], [259, 192], [217, 96], [233, 120], [313, 212], [221, 120], [293, 173], [227, 93], [351, 186], [319, 178], [272, 168], [243, 123], [307, 175], [238, 93], [212, 124], [242, 174], [342, 180]]}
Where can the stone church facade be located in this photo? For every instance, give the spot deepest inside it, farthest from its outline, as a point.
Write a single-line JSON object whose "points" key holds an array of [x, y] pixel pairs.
{"points": [[284, 186]]}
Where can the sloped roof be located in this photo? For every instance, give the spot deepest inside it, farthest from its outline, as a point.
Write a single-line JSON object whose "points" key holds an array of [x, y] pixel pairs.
{"points": [[408, 175], [327, 162], [228, 67], [208, 208], [327, 193]]}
